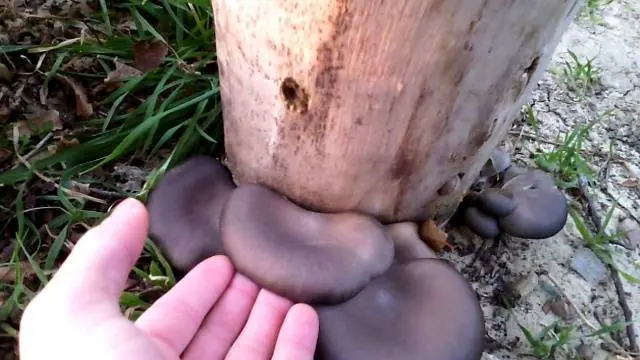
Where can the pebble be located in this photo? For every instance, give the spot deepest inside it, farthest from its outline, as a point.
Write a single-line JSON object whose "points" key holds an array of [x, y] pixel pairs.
{"points": [[521, 287], [589, 266]]}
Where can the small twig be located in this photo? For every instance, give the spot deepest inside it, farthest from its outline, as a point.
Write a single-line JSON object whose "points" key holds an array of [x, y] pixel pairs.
{"points": [[604, 170], [622, 298], [44, 178], [615, 335], [534, 137], [568, 299], [84, 188], [522, 134], [36, 148], [583, 318], [481, 250]]}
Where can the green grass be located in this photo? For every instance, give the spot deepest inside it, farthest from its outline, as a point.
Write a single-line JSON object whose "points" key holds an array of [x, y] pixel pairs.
{"points": [[160, 117], [599, 242], [568, 160], [593, 8], [549, 340], [580, 75], [559, 336]]}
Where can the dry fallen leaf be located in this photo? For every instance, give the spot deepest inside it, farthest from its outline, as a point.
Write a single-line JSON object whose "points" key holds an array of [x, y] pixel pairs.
{"points": [[560, 307], [435, 238], [121, 73], [62, 144], [630, 183], [8, 273], [631, 230], [83, 107], [5, 113], [5, 73], [80, 64], [81, 187], [4, 154], [45, 120], [149, 55]]}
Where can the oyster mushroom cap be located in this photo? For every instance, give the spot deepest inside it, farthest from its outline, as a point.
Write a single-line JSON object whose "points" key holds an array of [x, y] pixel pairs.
{"points": [[420, 309], [184, 211], [303, 255], [541, 208]]}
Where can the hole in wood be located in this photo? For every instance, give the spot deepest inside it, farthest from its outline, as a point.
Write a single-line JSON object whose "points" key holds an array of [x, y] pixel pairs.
{"points": [[531, 69], [295, 97], [451, 185]]}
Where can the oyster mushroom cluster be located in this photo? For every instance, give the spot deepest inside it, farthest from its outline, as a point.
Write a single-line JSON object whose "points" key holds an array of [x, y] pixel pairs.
{"points": [[520, 202], [379, 291]]}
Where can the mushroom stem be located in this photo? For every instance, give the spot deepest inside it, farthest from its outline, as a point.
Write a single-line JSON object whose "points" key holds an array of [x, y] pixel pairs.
{"points": [[407, 242]]}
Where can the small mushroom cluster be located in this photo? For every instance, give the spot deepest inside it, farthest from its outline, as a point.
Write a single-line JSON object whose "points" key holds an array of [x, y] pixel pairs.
{"points": [[524, 203], [379, 291]]}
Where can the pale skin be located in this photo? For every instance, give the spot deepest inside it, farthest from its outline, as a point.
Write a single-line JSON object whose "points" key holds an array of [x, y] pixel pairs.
{"points": [[212, 313]]}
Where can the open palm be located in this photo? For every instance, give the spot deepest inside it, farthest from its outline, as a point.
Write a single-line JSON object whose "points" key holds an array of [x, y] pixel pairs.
{"points": [[212, 313]]}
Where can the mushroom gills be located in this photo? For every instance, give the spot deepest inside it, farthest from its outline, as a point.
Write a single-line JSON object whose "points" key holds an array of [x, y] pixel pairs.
{"points": [[303, 255], [422, 309], [184, 211]]}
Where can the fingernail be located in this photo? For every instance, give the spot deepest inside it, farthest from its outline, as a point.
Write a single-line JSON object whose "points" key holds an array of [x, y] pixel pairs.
{"points": [[121, 204]]}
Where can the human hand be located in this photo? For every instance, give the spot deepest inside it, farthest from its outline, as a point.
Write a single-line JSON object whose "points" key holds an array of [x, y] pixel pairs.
{"points": [[212, 313]]}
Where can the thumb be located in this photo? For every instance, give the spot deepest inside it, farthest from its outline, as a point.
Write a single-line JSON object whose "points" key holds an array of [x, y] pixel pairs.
{"points": [[103, 257]]}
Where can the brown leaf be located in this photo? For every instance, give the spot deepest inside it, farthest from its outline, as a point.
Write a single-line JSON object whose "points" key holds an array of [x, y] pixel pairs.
{"points": [[3, 298], [5, 73], [83, 107], [121, 73], [81, 188], [62, 144], [433, 236], [631, 230], [5, 154], [630, 183], [560, 308], [5, 113], [80, 64], [45, 120], [149, 55], [8, 273]]}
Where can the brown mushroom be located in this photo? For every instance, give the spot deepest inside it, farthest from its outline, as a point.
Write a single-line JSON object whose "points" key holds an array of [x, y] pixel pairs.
{"points": [[541, 208], [480, 223], [184, 211], [494, 202], [526, 204], [421, 309], [498, 162], [303, 255]]}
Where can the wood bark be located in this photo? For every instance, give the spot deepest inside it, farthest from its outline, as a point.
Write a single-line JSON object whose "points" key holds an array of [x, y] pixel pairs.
{"points": [[389, 108]]}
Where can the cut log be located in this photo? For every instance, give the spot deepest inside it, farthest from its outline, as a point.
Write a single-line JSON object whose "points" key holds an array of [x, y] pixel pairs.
{"points": [[390, 108]]}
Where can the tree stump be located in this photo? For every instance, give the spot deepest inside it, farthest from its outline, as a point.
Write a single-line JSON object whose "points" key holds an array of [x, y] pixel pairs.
{"points": [[390, 108]]}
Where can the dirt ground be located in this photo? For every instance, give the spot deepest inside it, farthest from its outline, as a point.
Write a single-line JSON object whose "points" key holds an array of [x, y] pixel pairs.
{"points": [[518, 268], [533, 274]]}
